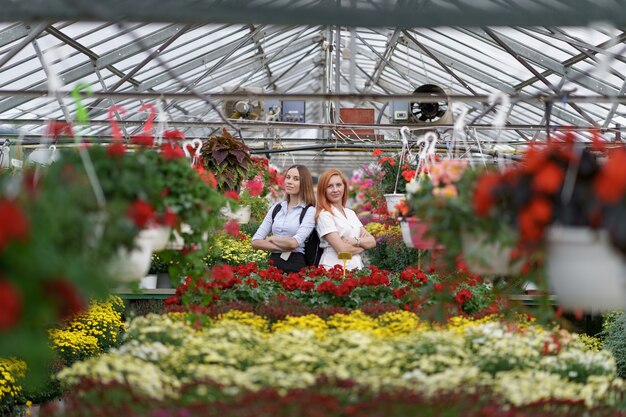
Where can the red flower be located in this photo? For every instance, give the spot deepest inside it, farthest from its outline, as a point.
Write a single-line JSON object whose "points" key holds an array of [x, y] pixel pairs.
{"points": [[142, 140], [169, 218], [438, 287], [207, 176], [232, 195], [10, 305], [68, 300], [116, 149], [55, 128], [232, 228], [462, 296], [549, 178], [255, 187], [408, 174], [13, 223], [170, 151], [252, 282], [377, 152], [141, 213], [174, 135], [610, 184], [483, 194]]}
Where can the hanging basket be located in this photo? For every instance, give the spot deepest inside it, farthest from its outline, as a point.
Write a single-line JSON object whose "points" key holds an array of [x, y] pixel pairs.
{"points": [[393, 200], [418, 229], [134, 264], [488, 258], [161, 237], [584, 270]]}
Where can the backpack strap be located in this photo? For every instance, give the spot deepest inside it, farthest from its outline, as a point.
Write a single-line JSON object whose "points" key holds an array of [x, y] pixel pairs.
{"points": [[276, 210], [303, 213]]}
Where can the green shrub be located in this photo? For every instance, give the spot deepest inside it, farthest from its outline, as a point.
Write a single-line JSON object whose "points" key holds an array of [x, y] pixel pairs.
{"points": [[392, 254], [614, 335]]}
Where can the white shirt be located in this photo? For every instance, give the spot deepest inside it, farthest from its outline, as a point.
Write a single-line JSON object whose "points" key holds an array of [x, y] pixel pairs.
{"points": [[347, 227]]}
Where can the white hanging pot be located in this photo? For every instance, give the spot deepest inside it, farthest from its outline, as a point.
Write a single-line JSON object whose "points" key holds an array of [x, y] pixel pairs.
{"points": [[488, 258], [161, 237], [134, 264], [406, 233], [584, 270], [393, 200]]}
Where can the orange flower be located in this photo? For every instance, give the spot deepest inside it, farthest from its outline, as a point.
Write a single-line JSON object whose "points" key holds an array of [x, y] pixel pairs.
{"points": [[408, 174], [377, 152], [610, 184], [549, 178]]}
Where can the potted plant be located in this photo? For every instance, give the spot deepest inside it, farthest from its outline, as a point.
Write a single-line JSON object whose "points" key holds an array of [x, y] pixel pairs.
{"points": [[563, 199], [393, 174], [228, 159]]}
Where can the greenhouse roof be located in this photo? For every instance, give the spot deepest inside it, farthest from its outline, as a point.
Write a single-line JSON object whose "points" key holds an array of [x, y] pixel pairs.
{"points": [[553, 61]]}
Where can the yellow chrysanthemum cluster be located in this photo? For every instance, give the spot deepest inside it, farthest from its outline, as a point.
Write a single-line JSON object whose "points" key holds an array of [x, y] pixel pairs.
{"points": [[11, 370], [379, 229], [258, 322], [235, 250], [90, 333]]}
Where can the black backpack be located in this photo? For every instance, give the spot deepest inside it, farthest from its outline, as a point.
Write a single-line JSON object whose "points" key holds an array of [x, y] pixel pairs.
{"points": [[312, 250]]}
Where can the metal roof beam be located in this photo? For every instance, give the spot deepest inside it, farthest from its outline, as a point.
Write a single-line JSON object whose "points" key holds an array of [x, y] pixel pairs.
{"points": [[80, 71], [22, 44], [537, 74]]}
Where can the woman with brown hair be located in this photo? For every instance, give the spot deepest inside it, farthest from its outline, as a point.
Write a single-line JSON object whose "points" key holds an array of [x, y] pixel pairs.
{"points": [[338, 227], [290, 222]]}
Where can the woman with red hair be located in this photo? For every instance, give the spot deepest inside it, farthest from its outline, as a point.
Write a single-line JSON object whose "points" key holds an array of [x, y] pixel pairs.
{"points": [[338, 227]]}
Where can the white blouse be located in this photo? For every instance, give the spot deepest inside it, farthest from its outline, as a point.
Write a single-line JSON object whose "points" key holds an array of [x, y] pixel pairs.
{"points": [[348, 226]]}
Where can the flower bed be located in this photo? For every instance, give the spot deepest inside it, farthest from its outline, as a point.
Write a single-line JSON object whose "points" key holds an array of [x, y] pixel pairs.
{"points": [[348, 360], [410, 289]]}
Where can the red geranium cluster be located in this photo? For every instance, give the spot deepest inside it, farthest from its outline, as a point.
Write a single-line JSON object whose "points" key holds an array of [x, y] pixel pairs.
{"points": [[563, 182]]}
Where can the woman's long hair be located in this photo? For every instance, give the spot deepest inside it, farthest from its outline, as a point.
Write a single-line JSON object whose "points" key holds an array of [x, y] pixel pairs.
{"points": [[307, 195], [322, 185]]}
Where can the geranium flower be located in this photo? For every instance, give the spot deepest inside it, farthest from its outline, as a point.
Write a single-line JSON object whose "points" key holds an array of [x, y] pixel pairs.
{"points": [[116, 149], [233, 195], [377, 152], [462, 296], [408, 174], [610, 184], [174, 135], [483, 195], [13, 223], [142, 140], [255, 188], [549, 178], [141, 213], [172, 151], [11, 304], [232, 228], [169, 218]]}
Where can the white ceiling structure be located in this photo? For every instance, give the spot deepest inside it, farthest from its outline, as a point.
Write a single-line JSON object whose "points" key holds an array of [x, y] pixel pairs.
{"points": [[560, 63]]}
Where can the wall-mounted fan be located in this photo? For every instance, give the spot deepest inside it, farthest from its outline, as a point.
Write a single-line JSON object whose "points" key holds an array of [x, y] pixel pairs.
{"points": [[243, 108], [431, 111]]}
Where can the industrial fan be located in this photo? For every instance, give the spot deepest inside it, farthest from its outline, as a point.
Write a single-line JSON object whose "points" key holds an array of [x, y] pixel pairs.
{"points": [[429, 111], [246, 108], [425, 111]]}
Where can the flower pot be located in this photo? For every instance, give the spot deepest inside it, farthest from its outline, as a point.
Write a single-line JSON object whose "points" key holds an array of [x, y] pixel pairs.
{"points": [[163, 280], [133, 264], [241, 215], [406, 233], [584, 270], [488, 258], [149, 282], [161, 237], [393, 200], [418, 229]]}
